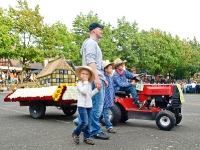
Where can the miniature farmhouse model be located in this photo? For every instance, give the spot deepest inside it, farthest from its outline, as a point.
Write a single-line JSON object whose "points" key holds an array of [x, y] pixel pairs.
{"points": [[56, 73]]}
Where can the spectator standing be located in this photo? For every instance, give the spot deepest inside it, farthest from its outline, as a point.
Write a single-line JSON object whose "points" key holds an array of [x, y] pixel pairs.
{"points": [[193, 87]]}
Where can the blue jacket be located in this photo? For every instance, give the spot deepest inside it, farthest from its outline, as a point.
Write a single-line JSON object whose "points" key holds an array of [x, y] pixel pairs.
{"points": [[109, 93], [121, 81]]}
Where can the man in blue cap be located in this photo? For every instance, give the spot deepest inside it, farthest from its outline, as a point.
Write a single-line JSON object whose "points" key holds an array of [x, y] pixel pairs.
{"points": [[92, 56]]}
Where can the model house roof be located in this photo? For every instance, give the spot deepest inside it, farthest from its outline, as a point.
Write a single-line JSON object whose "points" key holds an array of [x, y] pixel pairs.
{"points": [[60, 64]]}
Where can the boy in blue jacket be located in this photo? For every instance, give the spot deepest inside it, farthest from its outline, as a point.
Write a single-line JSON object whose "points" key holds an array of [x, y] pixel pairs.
{"points": [[109, 96]]}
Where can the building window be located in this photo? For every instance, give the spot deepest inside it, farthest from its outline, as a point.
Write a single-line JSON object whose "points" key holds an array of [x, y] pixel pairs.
{"points": [[65, 71], [61, 71], [69, 80]]}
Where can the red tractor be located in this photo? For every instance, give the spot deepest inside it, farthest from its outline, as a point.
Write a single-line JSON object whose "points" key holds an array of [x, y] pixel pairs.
{"points": [[162, 104]]}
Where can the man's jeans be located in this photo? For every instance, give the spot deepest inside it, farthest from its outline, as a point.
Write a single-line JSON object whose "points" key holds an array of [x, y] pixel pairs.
{"points": [[85, 115], [106, 115], [132, 90], [97, 108]]}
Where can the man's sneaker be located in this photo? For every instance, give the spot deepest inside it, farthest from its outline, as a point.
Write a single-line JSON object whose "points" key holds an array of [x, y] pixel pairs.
{"points": [[75, 138], [111, 130], [101, 136], [74, 122]]}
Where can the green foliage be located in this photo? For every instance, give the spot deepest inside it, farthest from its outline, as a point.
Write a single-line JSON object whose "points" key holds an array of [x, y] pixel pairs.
{"points": [[24, 36], [125, 36], [7, 38], [27, 24]]}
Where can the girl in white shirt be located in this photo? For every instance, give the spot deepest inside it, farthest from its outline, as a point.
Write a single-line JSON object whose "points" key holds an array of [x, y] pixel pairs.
{"points": [[85, 93]]}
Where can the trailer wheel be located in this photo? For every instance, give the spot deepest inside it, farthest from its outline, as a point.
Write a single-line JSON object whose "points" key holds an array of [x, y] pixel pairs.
{"points": [[178, 119], [69, 111], [165, 120], [37, 109], [115, 115]]}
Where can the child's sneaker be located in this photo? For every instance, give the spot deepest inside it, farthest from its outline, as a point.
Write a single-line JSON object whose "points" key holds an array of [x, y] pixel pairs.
{"points": [[141, 104], [75, 138], [111, 130], [88, 141]]}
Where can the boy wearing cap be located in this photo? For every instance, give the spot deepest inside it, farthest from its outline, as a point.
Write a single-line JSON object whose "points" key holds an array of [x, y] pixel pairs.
{"points": [[120, 77], [85, 75], [109, 96]]}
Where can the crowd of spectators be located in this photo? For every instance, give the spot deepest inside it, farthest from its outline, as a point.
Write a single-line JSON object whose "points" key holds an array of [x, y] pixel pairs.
{"points": [[187, 86], [14, 77]]}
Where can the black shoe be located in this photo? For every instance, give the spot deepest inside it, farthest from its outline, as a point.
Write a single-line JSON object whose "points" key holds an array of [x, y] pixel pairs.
{"points": [[101, 136]]}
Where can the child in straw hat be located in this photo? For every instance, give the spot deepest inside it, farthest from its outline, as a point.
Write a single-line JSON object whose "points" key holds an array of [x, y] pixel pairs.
{"points": [[109, 96], [85, 75], [120, 77]]}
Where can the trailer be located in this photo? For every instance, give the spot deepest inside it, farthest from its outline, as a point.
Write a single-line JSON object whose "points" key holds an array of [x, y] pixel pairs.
{"points": [[64, 96]]}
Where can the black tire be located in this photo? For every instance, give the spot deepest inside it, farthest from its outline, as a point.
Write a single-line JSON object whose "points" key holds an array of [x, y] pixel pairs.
{"points": [[124, 116], [69, 111], [178, 119], [37, 109], [165, 120], [115, 115]]}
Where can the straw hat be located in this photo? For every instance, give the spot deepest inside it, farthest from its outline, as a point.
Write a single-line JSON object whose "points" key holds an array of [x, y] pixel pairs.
{"points": [[106, 63], [77, 72], [118, 61]]}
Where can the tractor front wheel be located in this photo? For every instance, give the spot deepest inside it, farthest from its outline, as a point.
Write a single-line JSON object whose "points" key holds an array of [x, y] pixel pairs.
{"points": [[165, 120], [178, 119]]}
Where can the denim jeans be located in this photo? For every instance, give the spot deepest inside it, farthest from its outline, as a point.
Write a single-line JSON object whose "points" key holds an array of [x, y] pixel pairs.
{"points": [[106, 115], [97, 109], [132, 90], [97, 102], [184, 90], [85, 115]]}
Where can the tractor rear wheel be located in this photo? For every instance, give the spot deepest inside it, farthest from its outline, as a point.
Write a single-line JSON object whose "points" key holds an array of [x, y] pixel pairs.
{"points": [[115, 115], [37, 109], [124, 116], [165, 120]]}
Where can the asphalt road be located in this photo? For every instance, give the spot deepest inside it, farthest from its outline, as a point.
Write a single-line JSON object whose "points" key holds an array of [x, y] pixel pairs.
{"points": [[18, 131]]}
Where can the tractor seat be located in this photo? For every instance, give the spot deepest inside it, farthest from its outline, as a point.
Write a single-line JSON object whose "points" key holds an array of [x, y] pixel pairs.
{"points": [[122, 94]]}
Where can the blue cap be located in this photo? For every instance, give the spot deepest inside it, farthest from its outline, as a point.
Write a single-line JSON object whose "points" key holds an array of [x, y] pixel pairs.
{"points": [[95, 25]]}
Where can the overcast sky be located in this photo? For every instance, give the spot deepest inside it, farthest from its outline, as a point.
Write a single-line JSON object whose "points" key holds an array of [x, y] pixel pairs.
{"points": [[179, 17]]}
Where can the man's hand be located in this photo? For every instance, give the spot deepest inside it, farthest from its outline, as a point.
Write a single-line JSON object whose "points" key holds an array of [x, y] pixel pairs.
{"points": [[97, 83]]}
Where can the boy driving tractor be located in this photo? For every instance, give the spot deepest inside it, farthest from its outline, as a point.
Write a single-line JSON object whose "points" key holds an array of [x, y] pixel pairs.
{"points": [[120, 77]]}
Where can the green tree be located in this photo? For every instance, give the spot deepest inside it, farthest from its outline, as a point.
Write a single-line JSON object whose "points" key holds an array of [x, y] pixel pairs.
{"points": [[81, 32], [7, 37], [28, 25], [125, 37]]}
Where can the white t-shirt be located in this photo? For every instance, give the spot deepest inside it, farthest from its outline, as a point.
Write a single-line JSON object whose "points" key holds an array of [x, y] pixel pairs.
{"points": [[85, 94], [193, 85]]}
